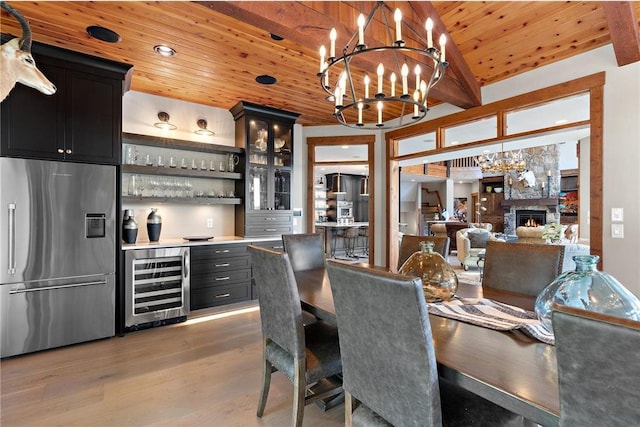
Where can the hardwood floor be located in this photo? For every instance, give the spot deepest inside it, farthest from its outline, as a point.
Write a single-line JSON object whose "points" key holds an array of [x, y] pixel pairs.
{"points": [[202, 372]]}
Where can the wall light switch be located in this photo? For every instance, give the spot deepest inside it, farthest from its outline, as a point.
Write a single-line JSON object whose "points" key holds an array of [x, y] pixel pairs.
{"points": [[617, 231], [617, 214], [209, 222]]}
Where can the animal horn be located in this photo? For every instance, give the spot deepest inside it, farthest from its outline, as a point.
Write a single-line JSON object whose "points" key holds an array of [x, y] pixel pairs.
{"points": [[25, 40]]}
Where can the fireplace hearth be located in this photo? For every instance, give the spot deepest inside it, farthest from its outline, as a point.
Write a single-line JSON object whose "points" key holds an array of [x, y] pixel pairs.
{"points": [[530, 218]]}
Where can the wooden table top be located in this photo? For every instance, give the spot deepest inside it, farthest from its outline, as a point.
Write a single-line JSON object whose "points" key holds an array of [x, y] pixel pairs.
{"points": [[508, 368]]}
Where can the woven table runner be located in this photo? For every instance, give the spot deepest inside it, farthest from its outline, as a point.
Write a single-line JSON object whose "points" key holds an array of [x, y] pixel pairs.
{"points": [[493, 315]]}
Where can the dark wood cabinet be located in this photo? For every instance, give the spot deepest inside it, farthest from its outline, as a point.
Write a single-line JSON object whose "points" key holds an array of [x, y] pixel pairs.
{"points": [[81, 122], [220, 274], [266, 134], [495, 211]]}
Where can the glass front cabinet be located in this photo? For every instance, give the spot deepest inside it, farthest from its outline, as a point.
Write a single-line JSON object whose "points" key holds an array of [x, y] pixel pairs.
{"points": [[267, 136]]}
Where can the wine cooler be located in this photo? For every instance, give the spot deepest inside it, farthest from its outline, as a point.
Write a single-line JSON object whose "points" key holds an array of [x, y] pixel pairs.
{"points": [[156, 287]]}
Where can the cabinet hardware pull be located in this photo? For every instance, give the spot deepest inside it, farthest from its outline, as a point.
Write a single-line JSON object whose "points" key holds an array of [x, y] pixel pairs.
{"points": [[226, 264], [226, 251], [218, 279], [49, 288], [68, 151], [60, 150], [223, 295], [12, 238], [277, 247]]}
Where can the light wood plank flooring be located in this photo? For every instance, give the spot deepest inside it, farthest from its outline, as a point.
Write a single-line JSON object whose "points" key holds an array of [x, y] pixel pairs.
{"points": [[189, 374]]}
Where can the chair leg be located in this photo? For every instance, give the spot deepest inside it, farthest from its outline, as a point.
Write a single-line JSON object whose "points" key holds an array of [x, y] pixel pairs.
{"points": [[348, 409], [299, 392], [267, 369]]}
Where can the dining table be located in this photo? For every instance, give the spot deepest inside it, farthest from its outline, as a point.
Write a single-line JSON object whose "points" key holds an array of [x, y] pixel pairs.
{"points": [[511, 369]]}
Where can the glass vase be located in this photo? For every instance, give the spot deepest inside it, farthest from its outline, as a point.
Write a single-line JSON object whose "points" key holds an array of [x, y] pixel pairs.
{"points": [[587, 288], [439, 281]]}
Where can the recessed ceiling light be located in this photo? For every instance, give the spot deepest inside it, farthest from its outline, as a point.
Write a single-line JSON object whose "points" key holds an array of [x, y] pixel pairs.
{"points": [[561, 121], [344, 147], [265, 79], [103, 34], [164, 50]]}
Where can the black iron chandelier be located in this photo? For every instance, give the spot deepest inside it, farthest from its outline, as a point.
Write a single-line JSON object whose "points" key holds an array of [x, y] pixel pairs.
{"points": [[383, 105]]}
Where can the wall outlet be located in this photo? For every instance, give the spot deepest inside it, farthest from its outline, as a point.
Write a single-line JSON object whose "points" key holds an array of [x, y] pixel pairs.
{"points": [[209, 222]]}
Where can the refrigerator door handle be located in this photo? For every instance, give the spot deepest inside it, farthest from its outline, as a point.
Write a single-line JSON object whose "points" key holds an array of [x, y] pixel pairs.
{"points": [[48, 288], [185, 265], [12, 238]]}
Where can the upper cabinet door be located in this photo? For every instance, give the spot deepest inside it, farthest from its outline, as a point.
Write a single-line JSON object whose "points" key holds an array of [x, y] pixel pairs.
{"points": [[81, 122]]}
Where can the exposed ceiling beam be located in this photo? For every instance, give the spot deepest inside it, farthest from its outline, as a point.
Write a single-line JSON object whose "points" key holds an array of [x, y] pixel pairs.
{"points": [[623, 27], [308, 27], [457, 63]]}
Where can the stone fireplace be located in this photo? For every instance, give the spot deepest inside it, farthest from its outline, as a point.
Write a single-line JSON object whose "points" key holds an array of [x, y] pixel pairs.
{"points": [[538, 204]]}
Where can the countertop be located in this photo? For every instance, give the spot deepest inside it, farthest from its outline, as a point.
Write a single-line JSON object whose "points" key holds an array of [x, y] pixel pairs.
{"points": [[336, 225], [177, 242]]}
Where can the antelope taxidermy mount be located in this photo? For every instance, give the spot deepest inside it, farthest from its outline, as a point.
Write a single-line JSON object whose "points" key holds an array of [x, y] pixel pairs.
{"points": [[17, 64]]}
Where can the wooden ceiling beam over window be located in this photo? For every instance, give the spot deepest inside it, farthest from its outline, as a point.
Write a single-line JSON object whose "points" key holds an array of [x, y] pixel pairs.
{"points": [[624, 30]]}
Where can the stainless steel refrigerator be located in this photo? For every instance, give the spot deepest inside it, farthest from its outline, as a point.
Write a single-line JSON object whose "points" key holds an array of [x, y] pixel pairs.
{"points": [[57, 254]]}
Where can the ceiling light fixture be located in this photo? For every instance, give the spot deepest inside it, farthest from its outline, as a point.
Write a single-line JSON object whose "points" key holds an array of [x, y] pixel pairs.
{"points": [[202, 128], [164, 50], [164, 122], [368, 108], [505, 161]]}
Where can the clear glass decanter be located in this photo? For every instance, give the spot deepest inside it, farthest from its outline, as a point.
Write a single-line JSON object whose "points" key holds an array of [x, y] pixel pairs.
{"points": [[587, 288], [439, 281]]}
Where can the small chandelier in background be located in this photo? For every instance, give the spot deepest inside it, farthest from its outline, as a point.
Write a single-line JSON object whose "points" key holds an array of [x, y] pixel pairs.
{"points": [[202, 128], [164, 122], [504, 161], [356, 103]]}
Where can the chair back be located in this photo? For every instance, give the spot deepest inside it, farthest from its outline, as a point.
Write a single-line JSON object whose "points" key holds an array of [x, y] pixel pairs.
{"points": [[411, 243], [279, 300], [388, 359], [306, 251], [598, 368], [521, 268]]}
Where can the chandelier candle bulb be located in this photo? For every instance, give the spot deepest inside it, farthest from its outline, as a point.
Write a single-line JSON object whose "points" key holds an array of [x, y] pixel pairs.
{"points": [[393, 84], [443, 41], [366, 86], [379, 113], [360, 105], [397, 16], [380, 72], [549, 172], [333, 35], [405, 73], [429, 26], [323, 52], [361, 30], [423, 92], [416, 97]]}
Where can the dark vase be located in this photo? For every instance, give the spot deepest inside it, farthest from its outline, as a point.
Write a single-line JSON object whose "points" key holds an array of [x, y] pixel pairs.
{"points": [[154, 225], [129, 227]]}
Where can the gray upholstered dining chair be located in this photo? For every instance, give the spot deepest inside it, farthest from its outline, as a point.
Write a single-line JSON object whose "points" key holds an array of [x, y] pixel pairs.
{"points": [[305, 354], [521, 268], [411, 243], [306, 251], [388, 359], [598, 368]]}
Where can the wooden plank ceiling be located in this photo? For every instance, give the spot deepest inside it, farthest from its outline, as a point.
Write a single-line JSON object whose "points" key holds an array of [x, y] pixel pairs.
{"points": [[223, 46]]}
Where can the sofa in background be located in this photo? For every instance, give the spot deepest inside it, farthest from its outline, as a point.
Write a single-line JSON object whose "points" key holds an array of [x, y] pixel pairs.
{"points": [[471, 242], [571, 249]]}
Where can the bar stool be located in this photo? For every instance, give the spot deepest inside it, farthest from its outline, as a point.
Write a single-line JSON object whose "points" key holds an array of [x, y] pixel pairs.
{"points": [[364, 233], [350, 237]]}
